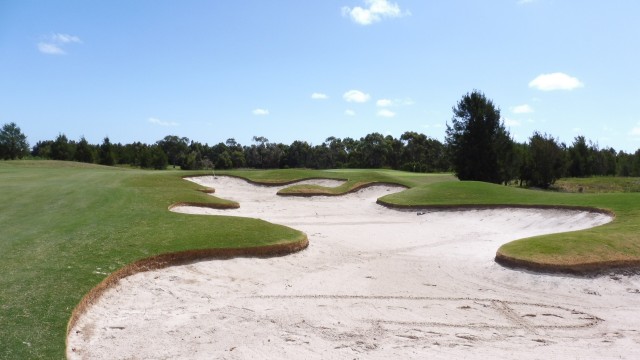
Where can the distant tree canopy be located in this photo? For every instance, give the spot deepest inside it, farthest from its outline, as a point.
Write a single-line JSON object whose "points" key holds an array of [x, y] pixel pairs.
{"points": [[13, 143], [479, 145], [546, 160]]}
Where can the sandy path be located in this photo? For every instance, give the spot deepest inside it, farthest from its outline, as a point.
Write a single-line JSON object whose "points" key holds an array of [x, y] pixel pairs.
{"points": [[374, 283]]}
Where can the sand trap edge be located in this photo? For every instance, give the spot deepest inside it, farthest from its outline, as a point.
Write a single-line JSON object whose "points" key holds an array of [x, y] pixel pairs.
{"points": [[178, 258], [459, 207], [227, 206], [354, 189], [265, 183], [581, 269]]}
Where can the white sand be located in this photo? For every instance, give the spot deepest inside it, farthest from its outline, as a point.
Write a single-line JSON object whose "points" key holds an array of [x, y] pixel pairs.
{"points": [[374, 283]]}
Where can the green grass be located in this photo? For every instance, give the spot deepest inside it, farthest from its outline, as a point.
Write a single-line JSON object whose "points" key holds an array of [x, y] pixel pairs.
{"points": [[355, 178], [66, 226], [600, 247], [598, 184]]}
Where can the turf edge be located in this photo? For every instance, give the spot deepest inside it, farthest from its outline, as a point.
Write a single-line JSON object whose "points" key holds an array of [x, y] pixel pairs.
{"points": [[179, 258], [582, 269]]}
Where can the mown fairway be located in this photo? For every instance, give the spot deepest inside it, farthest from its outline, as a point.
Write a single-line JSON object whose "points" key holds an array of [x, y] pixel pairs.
{"points": [[66, 226], [600, 247]]}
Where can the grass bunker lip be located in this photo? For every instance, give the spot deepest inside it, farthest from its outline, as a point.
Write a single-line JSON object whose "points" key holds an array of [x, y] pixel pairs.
{"points": [[50, 222], [180, 258], [272, 300]]}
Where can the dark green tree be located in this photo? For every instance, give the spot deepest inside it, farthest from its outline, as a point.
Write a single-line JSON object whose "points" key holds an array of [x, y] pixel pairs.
{"points": [[106, 154], [374, 150], [338, 154], [175, 147], [635, 164], [13, 143], [236, 153], [414, 155], [42, 149], [394, 154], [580, 158], [299, 154], [477, 139], [62, 149], [546, 160], [224, 161], [158, 158], [84, 152]]}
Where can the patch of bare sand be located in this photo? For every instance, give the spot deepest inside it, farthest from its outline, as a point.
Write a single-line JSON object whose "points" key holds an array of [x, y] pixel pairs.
{"points": [[374, 283]]}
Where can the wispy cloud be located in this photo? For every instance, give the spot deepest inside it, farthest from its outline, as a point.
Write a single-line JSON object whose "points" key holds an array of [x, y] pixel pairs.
{"points": [[525, 2], [65, 38], [319, 96], [511, 122], [350, 112], [356, 96], [635, 132], [384, 103], [374, 11], [394, 102], [555, 81], [54, 44], [50, 49], [159, 122], [522, 109], [386, 113], [260, 112]]}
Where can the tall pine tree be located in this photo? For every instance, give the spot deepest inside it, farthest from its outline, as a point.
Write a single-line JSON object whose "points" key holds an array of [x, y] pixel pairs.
{"points": [[477, 140]]}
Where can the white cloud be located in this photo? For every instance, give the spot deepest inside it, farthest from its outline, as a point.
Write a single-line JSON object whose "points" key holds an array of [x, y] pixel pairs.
{"points": [[319, 96], [374, 11], [350, 112], [524, 2], [260, 112], [522, 109], [394, 102], [406, 102], [65, 38], [53, 44], [384, 102], [555, 81], [162, 122], [386, 113], [356, 96], [635, 132], [50, 49], [511, 122]]}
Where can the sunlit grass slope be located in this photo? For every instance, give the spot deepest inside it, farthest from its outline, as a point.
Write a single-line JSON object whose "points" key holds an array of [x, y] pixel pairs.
{"points": [[65, 226], [616, 244], [354, 179]]}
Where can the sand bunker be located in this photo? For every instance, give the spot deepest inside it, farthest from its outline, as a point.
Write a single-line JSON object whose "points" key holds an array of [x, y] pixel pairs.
{"points": [[375, 283]]}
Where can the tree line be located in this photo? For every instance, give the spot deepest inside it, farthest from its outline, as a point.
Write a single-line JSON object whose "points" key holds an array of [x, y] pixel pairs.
{"points": [[482, 149], [411, 152], [477, 147]]}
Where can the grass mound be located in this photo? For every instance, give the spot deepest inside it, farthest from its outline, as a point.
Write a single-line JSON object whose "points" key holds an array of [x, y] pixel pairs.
{"points": [[611, 246], [67, 226]]}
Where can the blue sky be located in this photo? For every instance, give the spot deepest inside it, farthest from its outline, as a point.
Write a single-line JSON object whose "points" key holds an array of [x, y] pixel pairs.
{"points": [[306, 70]]}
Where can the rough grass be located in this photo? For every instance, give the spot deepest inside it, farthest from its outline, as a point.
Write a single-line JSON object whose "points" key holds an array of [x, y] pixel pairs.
{"points": [[613, 245], [355, 179], [66, 226], [598, 184]]}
